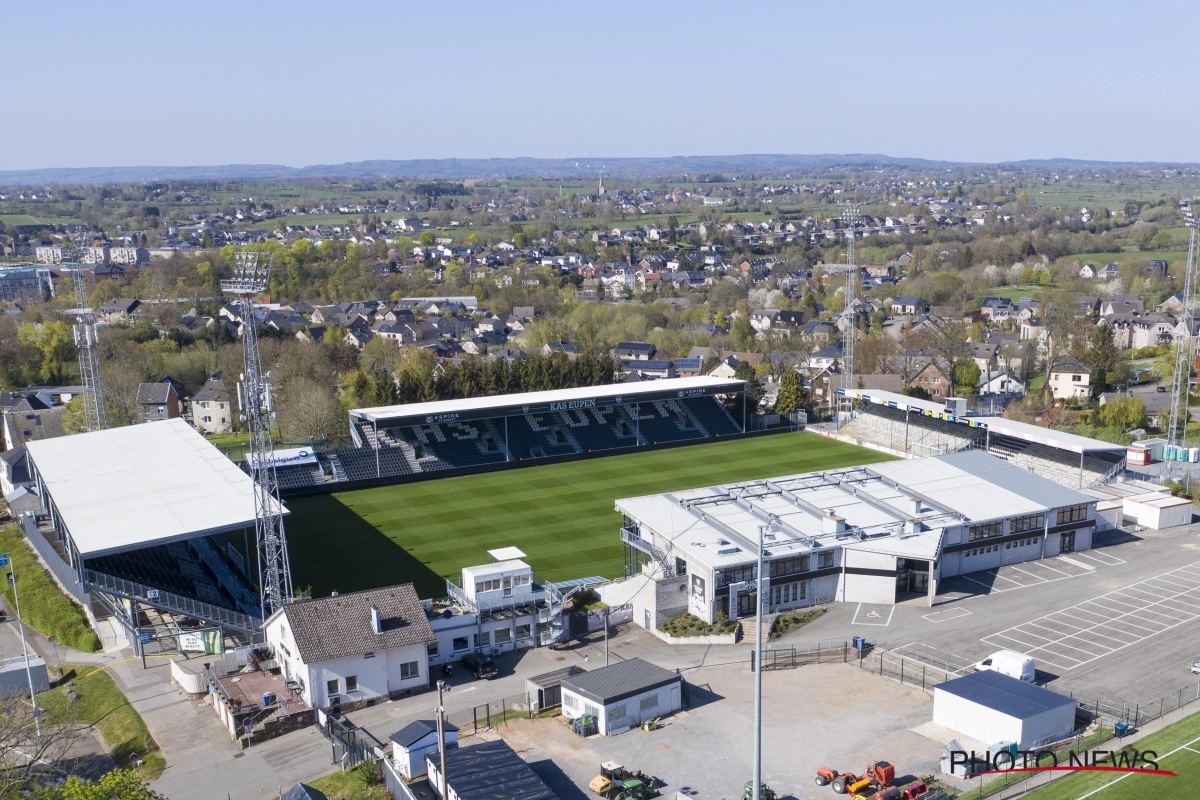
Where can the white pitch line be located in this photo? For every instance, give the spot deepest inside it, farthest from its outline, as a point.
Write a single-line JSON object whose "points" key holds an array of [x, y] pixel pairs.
{"points": [[1127, 774]]}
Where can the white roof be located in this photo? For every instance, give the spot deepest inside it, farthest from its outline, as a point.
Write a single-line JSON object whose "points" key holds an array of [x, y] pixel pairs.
{"points": [[1052, 438], [506, 554], [515, 565], [628, 392], [125, 488]]}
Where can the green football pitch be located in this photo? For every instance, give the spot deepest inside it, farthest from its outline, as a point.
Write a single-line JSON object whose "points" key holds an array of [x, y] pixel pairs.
{"points": [[1177, 748], [561, 515]]}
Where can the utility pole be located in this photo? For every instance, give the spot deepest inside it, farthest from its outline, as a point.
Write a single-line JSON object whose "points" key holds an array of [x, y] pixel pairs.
{"points": [[86, 341], [5, 561], [442, 686], [758, 598], [251, 276]]}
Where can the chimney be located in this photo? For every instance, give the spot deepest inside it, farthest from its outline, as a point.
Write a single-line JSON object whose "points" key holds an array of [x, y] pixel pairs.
{"points": [[913, 526], [832, 523], [376, 621], [912, 505]]}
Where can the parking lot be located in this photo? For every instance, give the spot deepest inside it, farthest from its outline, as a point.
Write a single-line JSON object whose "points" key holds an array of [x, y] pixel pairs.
{"points": [[1120, 622]]}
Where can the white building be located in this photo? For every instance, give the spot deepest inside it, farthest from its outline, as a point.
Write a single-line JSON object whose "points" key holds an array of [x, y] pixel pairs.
{"points": [[993, 708], [417, 739], [869, 534], [622, 695], [351, 650], [499, 607]]}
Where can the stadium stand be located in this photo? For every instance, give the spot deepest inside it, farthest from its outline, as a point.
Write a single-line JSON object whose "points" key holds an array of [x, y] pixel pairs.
{"points": [[926, 435], [713, 416], [176, 568]]}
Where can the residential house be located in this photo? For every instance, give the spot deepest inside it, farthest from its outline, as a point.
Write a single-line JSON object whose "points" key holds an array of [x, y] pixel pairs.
{"points": [[1070, 379], [647, 369], [358, 337], [120, 309], [14, 470], [482, 341], [1173, 305], [824, 358], [550, 348], [638, 351], [1000, 383], [997, 309], [1088, 271], [1122, 304], [32, 418], [908, 304], [351, 650], [933, 380], [157, 401], [819, 331], [823, 385], [212, 410]]}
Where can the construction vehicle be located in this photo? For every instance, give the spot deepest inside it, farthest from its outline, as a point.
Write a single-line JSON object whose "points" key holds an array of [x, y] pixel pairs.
{"points": [[764, 792], [878, 776]]}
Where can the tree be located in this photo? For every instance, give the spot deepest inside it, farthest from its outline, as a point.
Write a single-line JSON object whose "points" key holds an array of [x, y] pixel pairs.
{"points": [[745, 371], [427, 238], [310, 411], [916, 392], [119, 784], [790, 392], [1125, 413], [53, 344], [742, 331], [1102, 356], [966, 377]]}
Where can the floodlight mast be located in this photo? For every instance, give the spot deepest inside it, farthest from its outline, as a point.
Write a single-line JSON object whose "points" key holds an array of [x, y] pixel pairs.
{"points": [[850, 220], [94, 414], [251, 276], [1176, 431]]}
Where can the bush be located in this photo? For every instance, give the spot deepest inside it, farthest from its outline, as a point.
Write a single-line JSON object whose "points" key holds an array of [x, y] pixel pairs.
{"points": [[688, 625], [786, 623], [43, 604]]}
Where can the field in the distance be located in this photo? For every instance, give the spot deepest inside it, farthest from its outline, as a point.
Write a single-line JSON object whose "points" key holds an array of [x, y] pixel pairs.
{"points": [[561, 515]]}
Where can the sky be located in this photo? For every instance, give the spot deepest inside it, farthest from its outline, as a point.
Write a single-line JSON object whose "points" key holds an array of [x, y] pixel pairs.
{"points": [[299, 83]]}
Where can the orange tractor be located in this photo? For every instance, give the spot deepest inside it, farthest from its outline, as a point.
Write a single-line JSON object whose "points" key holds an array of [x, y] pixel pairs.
{"points": [[878, 776]]}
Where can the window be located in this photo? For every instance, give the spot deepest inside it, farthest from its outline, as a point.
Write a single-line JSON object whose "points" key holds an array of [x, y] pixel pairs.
{"points": [[331, 686], [649, 702], [432, 649], [351, 683], [985, 530], [208, 419], [503, 635], [789, 566], [570, 701], [735, 575], [617, 713], [825, 560], [460, 643], [368, 655], [1029, 522], [524, 632], [409, 670], [1072, 514]]}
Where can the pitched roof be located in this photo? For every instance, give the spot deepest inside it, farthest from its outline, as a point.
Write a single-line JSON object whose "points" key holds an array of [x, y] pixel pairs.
{"points": [[153, 394], [415, 731], [213, 389], [618, 681], [491, 771], [1070, 364], [340, 625]]}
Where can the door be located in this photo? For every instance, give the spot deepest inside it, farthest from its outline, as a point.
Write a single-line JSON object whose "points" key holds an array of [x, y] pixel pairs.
{"points": [[1067, 544], [745, 604]]}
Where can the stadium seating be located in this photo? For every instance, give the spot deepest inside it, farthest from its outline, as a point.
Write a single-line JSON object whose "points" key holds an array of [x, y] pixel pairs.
{"points": [[171, 568], [663, 421], [711, 415], [925, 436], [297, 477], [548, 440], [596, 429], [1058, 465]]}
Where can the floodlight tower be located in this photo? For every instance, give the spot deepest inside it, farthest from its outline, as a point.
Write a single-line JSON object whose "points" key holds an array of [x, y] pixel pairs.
{"points": [[86, 342], [850, 220], [1185, 349], [252, 272]]}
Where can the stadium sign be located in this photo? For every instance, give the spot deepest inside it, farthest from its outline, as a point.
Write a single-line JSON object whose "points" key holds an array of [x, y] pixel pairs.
{"points": [[692, 393], [286, 458], [573, 404], [441, 418]]}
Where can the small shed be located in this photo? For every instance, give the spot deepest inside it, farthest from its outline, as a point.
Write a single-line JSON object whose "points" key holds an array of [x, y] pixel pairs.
{"points": [[622, 695], [14, 682], [23, 500], [545, 691], [414, 741], [303, 792], [1157, 513], [487, 771], [995, 708]]}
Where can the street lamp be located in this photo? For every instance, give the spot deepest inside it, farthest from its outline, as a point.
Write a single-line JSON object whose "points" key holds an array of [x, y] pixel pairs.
{"points": [[758, 598], [442, 686]]}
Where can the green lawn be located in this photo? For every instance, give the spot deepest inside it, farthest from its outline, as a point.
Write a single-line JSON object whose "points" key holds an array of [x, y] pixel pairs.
{"points": [[352, 785], [44, 607], [1169, 743], [102, 704], [1015, 293], [561, 515]]}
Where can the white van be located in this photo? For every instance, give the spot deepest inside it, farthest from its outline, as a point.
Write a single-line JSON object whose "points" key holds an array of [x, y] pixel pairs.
{"points": [[1006, 662]]}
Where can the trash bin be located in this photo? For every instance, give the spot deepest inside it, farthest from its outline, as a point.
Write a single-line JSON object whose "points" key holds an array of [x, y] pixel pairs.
{"points": [[268, 699], [860, 643], [1122, 728]]}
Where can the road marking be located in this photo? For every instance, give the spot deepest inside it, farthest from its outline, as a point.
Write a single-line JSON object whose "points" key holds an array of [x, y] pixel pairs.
{"points": [[874, 615], [1030, 574], [1106, 623], [1079, 564], [996, 574], [1096, 555], [958, 611]]}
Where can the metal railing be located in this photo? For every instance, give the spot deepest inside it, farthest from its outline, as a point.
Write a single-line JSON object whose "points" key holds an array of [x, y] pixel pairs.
{"points": [[62, 571], [168, 601]]}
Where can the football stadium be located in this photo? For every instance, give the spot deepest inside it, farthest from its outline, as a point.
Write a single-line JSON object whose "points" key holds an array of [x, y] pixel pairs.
{"points": [[151, 527]]}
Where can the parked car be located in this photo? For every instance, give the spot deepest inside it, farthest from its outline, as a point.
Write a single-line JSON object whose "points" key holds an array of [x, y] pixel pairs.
{"points": [[1196, 666], [480, 666]]}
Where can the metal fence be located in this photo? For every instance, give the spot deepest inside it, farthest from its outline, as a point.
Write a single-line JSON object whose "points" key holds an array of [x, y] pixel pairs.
{"points": [[348, 749], [62, 571], [1108, 713], [827, 652], [395, 782]]}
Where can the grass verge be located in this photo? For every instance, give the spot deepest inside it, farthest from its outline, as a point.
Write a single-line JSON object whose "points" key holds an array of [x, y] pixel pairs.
{"points": [[43, 604], [688, 625], [561, 515], [353, 785], [786, 623], [102, 704]]}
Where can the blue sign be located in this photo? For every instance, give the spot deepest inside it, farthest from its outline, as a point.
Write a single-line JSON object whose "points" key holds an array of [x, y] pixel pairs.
{"points": [[3, 559], [143, 637], [248, 723]]}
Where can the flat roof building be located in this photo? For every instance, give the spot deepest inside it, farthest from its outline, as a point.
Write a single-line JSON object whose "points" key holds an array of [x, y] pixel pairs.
{"points": [[871, 534], [994, 708]]}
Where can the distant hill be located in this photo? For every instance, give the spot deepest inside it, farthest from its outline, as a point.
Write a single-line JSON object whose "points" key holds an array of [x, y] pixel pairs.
{"points": [[513, 167]]}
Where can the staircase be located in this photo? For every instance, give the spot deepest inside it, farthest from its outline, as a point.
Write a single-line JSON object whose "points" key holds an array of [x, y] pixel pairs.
{"points": [[410, 455], [498, 439]]}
